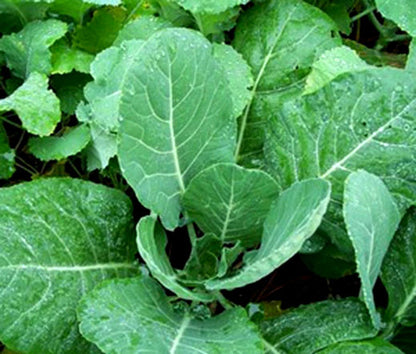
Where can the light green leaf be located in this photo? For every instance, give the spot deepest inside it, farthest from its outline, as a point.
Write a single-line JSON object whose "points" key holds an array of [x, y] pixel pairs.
{"points": [[152, 241], [362, 120], [58, 239], [371, 217], [139, 309], [37, 107], [280, 40], [238, 74], [177, 119], [58, 148], [231, 202], [310, 328], [66, 59], [228, 257], [291, 221], [7, 155], [109, 69], [398, 273], [330, 65], [403, 12], [141, 28], [209, 6], [372, 346], [28, 50]]}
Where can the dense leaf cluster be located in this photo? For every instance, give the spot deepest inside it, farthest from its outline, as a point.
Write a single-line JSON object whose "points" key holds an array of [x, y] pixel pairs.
{"points": [[260, 129]]}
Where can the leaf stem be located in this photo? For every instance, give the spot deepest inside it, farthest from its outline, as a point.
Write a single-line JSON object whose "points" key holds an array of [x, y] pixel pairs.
{"points": [[223, 301], [362, 14], [192, 233]]}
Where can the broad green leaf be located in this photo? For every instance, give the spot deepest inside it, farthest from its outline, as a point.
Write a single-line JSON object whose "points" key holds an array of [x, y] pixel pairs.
{"points": [[101, 31], [330, 65], [402, 12], [371, 217], [58, 239], [238, 74], [362, 120], [37, 107], [372, 346], [15, 13], [177, 119], [209, 6], [66, 59], [28, 50], [58, 148], [141, 28], [152, 241], [231, 202], [280, 40], [204, 261], [398, 273], [7, 155], [291, 221], [95, 2], [70, 89], [109, 71], [310, 328], [140, 311]]}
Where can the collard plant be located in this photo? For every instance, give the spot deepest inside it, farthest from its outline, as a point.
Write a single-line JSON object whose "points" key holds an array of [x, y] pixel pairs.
{"points": [[251, 128]]}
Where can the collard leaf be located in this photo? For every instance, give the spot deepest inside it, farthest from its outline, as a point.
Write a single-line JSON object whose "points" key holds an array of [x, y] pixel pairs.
{"points": [[362, 120], [37, 107], [140, 310], [310, 328], [372, 346], [58, 239], [28, 50], [238, 74], [177, 119], [399, 273], [331, 64], [66, 59], [291, 221], [231, 202], [280, 40], [402, 12], [372, 217], [102, 148], [7, 156], [58, 148], [152, 241], [209, 6]]}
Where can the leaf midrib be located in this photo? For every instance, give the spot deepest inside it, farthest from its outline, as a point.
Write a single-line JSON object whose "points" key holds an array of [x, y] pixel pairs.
{"points": [[74, 268]]}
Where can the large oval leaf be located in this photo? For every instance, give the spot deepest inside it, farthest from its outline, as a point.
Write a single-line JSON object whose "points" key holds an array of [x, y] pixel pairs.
{"points": [[280, 40], [291, 221], [139, 309], [177, 119], [58, 239], [362, 120], [372, 218]]}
